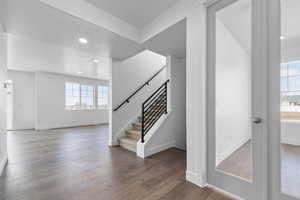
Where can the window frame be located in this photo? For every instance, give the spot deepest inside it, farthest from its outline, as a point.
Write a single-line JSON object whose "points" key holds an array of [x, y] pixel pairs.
{"points": [[80, 106], [102, 106], [289, 110], [72, 107]]}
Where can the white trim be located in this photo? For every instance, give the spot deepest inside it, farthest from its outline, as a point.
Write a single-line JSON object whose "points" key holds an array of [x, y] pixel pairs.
{"points": [[113, 143], [3, 164], [142, 150], [159, 148], [290, 142], [225, 192], [65, 127], [209, 3], [195, 178], [232, 149]]}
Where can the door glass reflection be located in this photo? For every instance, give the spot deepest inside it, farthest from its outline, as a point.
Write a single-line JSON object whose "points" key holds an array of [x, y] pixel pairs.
{"points": [[233, 90]]}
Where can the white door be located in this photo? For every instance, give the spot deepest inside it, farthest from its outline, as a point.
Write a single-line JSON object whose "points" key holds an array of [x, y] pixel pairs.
{"points": [[237, 97]]}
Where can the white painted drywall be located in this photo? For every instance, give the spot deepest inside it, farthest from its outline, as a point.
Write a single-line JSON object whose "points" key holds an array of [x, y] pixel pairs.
{"points": [[3, 140], [196, 95], [232, 93], [50, 103], [27, 54], [172, 130], [127, 76], [23, 99], [94, 15], [171, 16]]}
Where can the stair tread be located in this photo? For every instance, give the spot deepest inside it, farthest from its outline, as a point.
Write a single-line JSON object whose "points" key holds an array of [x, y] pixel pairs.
{"points": [[128, 139], [128, 143], [137, 123], [134, 131]]}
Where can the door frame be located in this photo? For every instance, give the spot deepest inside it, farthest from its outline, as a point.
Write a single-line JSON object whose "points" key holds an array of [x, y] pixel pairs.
{"points": [[258, 189]]}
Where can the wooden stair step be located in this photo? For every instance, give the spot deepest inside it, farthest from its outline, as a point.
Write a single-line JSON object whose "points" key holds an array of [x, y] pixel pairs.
{"points": [[128, 143], [137, 125], [134, 134]]}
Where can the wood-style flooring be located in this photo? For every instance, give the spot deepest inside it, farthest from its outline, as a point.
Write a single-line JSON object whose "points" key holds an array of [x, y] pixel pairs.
{"points": [[77, 164]]}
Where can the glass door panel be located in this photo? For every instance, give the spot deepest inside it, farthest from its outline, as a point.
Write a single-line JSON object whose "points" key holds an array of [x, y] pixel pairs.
{"points": [[290, 99], [233, 90], [236, 128]]}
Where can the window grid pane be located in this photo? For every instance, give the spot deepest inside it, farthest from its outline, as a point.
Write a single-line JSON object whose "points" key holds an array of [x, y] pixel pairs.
{"points": [[87, 97], [78, 97], [290, 87], [102, 97], [72, 98]]}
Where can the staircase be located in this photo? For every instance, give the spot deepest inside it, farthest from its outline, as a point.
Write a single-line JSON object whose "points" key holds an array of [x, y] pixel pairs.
{"points": [[132, 135], [152, 109]]}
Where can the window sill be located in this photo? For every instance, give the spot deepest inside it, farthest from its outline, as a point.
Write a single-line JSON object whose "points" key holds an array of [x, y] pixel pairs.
{"points": [[290, 116], [80, 109]]}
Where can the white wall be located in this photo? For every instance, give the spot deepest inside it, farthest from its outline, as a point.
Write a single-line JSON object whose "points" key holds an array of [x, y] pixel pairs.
{"points": [[3, 141], [172, 130], [290, 132], [232, 93], [196, 95], [127, 76], [50, 103], [23, 99]]}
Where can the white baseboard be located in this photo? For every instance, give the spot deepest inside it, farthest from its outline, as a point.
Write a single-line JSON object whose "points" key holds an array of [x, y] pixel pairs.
{"points": [[290, 142], [66, 127], [112, 143], [225, 192], [195, 178], [231, 150], [159, 148], [3, 164]]}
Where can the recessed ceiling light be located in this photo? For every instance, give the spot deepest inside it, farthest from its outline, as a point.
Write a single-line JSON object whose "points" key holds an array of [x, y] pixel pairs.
{"points": [[282, 37], [79, 72], [83, 40], [95, 60]]}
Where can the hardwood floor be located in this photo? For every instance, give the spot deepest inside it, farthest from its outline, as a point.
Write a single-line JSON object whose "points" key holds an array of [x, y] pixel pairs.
{"points": [[77, 164]]}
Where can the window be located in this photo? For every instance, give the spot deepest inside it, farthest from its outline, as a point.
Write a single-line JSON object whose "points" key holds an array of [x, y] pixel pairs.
{"points": [[102, 97], [72, 96], [87, 97], [79, 97], [290, 90]]}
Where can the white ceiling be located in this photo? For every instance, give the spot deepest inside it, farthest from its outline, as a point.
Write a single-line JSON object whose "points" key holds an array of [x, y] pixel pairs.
{"points": [[136, 12], [36, 20], [43, 25], [170, 41]]}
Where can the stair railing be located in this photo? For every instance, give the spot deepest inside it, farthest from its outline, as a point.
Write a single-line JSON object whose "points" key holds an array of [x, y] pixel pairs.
{"points": [[153, 108], [127, 100]]}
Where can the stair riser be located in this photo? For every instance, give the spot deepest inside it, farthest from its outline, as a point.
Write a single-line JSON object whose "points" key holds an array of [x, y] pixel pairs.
{"points": [[137, 127], [133, 135], [128, 146]]}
